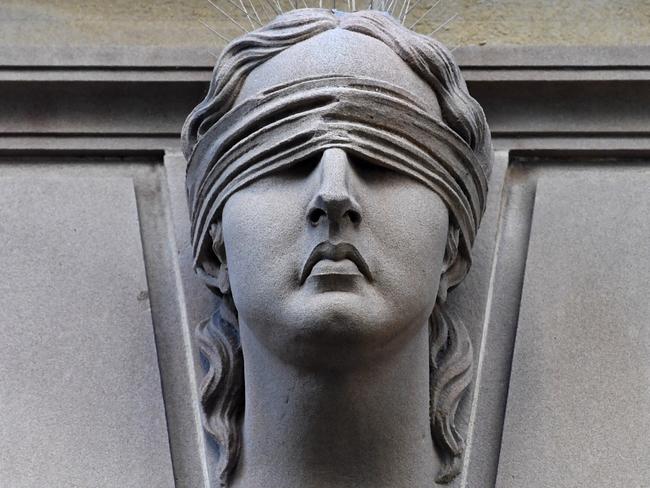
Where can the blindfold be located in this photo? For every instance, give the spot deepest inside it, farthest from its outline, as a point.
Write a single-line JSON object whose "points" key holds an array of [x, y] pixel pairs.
{"points": [[371, 120]]}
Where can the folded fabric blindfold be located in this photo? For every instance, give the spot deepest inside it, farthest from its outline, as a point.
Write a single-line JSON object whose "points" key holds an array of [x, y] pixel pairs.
{"points": [[371, 120]]}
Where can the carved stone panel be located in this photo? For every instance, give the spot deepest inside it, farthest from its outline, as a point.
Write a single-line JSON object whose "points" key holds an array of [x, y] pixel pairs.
{"points": [[80, 392], [100, 389], [580, 380]]}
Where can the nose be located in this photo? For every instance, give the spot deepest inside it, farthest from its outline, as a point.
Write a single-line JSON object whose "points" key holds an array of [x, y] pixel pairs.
{"points": [[334, 201]]}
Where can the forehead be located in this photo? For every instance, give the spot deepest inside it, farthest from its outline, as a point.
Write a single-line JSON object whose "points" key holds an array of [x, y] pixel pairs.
{"points": [[340, 52]]}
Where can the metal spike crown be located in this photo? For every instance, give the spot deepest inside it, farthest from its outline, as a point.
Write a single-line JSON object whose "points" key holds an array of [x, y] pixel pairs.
{"points": [[248, 15]]}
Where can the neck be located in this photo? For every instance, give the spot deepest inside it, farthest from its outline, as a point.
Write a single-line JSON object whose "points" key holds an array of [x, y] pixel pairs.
{"points": [[368, 427]]}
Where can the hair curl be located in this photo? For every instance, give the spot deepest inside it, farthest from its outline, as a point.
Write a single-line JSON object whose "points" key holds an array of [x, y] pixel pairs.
{"points": [[451, 357]]}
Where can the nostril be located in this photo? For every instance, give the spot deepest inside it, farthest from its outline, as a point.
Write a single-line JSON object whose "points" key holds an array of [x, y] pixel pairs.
{"points": [[315, 215], [354, 216]]}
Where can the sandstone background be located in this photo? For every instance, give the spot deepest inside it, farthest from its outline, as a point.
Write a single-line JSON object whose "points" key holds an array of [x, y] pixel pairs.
{"points": [[177, 23]]}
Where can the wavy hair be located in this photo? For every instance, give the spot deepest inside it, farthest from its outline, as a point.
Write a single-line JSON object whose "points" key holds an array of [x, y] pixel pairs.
{"points": [[451, 357]]}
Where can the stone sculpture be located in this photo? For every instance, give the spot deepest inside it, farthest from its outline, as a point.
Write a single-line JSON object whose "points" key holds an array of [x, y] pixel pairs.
{"points": [[337, 176]]}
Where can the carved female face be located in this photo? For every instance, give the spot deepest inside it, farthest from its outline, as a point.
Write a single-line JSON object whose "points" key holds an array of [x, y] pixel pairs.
{"points": [[335, 259]]}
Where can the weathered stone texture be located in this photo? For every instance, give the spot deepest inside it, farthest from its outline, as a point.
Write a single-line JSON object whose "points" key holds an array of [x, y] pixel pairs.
{"points": [[80, 394], [576, 411], [177, 23]]}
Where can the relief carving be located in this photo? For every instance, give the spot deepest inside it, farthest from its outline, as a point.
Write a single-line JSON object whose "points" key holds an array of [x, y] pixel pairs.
{"points": [[337, 176]]}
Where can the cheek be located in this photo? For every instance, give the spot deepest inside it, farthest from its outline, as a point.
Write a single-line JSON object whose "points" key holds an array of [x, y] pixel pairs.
{"points": [[261, 229], [412, 239]]}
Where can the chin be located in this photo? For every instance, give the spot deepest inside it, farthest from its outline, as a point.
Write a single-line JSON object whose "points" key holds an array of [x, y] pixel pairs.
{"points": [[338, 312], [340, 329]]}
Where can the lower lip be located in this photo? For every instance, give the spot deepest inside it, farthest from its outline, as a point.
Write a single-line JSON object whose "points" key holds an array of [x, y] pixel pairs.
{"points": [[335, 276], [328, 267]]}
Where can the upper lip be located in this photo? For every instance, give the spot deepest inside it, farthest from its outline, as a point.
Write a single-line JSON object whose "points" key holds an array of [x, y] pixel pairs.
{"points": [[335, 252]]}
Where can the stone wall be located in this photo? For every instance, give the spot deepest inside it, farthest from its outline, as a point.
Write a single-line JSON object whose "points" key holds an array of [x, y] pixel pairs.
{"points": [[177, 23], [98, 288]]}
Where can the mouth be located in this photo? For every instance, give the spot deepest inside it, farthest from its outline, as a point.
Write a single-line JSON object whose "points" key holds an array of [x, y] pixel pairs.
{"points": [[341, 259]]}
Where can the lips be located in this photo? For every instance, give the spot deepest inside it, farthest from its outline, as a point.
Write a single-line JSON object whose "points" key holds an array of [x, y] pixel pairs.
{"points": [[327, 251]]}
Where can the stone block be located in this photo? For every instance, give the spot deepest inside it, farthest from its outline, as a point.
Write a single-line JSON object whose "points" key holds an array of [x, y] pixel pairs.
{"points": [[577, 406], [80, 394]]}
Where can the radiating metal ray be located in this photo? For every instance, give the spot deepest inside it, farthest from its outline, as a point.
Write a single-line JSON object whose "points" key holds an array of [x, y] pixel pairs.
{"points": [[254, 10], [423, 16], [242, 9], [444, 24], [260, 12], [409, 10], [264, 9], [405, 6], [273, 7], [225, 14], [214, 31]]}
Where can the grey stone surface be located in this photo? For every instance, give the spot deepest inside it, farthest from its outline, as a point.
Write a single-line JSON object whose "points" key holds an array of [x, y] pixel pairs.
{"points": [[471, 302], [169, 309], [61, 91], [197, 302], [80, 396], [335, 193], [579, 385], [512, 227], [57, 107]]}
